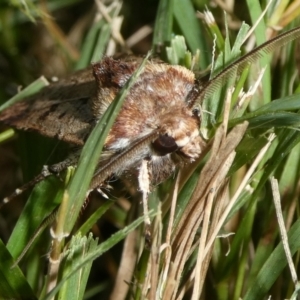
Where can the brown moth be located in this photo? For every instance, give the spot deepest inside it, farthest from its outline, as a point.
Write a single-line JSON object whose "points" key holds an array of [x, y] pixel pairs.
{"points": [[157, 127]]}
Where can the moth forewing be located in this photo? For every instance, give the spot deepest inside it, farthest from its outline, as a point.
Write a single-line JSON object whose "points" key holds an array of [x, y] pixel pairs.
{"points": [[58, 111]]}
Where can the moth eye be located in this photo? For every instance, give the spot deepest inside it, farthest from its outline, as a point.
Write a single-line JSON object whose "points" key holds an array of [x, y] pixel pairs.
{"points": [[164, 144], [196, 112]]}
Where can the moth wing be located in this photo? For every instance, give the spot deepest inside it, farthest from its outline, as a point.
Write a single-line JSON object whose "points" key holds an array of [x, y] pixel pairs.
{"points": [[67, 110], [61, 110]]}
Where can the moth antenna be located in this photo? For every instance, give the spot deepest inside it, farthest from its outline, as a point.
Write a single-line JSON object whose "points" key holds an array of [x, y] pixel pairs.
{"points": [[47, 220], [237, 66], [122, 159]]}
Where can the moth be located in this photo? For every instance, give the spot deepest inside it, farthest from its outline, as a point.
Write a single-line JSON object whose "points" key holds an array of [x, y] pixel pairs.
{"points": [[157, 128]]}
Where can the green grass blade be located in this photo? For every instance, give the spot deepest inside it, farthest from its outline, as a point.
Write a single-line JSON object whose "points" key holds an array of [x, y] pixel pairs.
{"points": [[273, 266], [90, 155], [88, 46], [41, 202], [105, 246], [284, 104], [32, 89], [101, 43], [163, 24], [185, 17], [6, 135], [260, 37], [84, 229], [80, 247], [13, 284]]}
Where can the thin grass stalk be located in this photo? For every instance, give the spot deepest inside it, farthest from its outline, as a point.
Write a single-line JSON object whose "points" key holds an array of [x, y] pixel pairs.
{"points": [[167, 245], [204, 232], [240, 189], [283, 232]]}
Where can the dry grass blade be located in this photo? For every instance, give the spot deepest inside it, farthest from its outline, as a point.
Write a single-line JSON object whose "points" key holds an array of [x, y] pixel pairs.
{"points": [[167, 264], [126, 268], [239, 191], [284, 237], [154, 262], [211, 180], [219, 198]]}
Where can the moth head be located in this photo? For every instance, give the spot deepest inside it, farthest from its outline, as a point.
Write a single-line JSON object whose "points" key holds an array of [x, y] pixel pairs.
{"points": [[179, 135]]}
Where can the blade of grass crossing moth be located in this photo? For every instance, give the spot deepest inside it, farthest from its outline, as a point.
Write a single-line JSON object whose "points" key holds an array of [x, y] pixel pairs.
{"points": [[30, 90], [91, 152]]}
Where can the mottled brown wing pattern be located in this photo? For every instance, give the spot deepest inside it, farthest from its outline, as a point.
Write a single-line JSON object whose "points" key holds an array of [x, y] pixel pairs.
{"points": [[46, 117], [60, 110]]}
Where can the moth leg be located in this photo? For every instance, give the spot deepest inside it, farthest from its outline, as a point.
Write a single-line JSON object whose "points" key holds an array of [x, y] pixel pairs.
{"points": [[100, 191], [71, 160], [144, 186], [46, 171]]}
